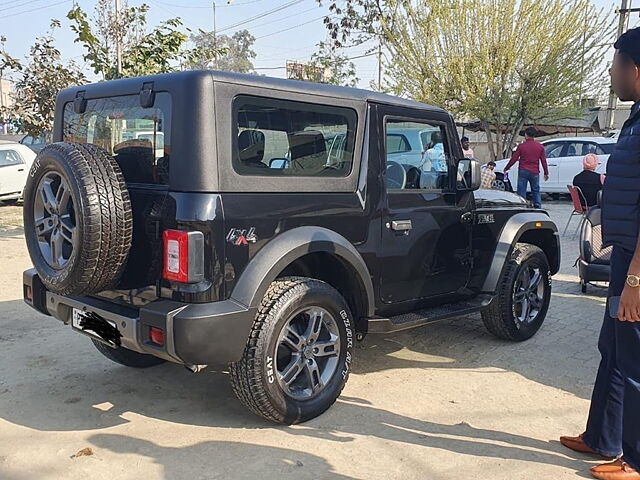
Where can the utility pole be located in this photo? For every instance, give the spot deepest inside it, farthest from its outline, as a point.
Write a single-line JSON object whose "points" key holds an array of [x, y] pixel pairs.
{"points": [[118, 40], [623, 25], [215, 38], [379, 64]]}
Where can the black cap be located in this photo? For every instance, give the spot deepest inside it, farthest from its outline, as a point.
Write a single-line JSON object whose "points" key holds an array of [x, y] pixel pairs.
{"points": [[629, 43], [464, 139]]}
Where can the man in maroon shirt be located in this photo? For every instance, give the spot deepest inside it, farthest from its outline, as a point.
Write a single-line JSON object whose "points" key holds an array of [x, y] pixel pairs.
{"points": [[530, 154]]}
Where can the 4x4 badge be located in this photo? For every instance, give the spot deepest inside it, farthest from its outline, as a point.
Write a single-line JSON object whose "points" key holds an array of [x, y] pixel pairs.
{"points": [[238, 236]]}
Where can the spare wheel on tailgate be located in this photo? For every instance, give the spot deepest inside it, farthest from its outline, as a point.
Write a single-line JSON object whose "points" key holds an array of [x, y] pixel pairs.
{"points": [[77, 218]]}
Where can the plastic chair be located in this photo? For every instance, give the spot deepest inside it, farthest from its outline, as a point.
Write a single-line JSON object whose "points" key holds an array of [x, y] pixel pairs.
{"points": [[579, 207]]}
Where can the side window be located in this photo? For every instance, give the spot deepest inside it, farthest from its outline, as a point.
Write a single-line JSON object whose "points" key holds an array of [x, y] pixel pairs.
{"points": [[423, 165], [397, 143], [285, 138], [9, 158], [554, 150], [28, 140], [580, 149]]}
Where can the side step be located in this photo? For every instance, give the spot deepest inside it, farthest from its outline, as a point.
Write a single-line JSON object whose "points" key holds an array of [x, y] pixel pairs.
{"points": [[423, 317]]}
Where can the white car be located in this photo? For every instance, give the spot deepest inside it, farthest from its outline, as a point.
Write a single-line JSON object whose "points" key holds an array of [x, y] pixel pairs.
{"points": [[564, 159], [15, 162]]}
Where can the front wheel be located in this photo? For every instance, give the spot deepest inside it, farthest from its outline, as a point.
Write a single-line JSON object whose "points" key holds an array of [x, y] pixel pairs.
{"points": [[298, 356], [524, 293]]}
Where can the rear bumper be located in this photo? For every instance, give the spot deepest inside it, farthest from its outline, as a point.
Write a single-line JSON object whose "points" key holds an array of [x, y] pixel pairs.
{"points": [[195, 334]]}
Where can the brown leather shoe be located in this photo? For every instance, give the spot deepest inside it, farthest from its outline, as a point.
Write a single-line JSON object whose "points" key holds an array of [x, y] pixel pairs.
{"points": [[616, 470], [577, 445]]}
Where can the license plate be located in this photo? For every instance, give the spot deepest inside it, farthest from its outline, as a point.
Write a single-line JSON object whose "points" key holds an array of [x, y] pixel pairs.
{"points": [[76, 318]]}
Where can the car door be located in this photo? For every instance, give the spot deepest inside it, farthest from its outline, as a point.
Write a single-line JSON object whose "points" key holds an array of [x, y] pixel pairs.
{"points": [[13, 173], [571, 162], [554, 151], [426, 228]]}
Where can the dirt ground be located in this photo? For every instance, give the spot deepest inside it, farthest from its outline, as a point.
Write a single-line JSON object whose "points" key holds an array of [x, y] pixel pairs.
{"points": [[446, 401]]}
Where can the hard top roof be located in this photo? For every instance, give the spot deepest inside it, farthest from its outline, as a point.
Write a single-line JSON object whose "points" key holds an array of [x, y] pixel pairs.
{"points": [[311, 88]]}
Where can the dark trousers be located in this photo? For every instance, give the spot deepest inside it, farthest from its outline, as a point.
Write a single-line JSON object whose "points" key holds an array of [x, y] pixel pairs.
{"points": [[614, 419], [525, 178]]}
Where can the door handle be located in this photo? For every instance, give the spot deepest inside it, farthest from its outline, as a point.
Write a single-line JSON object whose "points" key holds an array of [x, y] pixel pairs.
{"points": [[466, 218], [21, 169], [552, 165], [401, 225]]}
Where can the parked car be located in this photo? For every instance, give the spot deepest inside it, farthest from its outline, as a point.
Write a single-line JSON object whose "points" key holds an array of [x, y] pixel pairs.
{"points": [[15, 162], [250, 252], [564, 158], [34, 143]]}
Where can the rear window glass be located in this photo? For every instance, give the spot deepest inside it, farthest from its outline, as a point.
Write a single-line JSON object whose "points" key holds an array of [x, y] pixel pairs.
{"points": [[139, 138], [285, 138]]}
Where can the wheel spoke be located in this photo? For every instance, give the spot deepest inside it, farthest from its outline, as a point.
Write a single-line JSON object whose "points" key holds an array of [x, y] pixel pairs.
{"points": [[67, 232], [526, 277], [535, 279], [292, 339], [43, 226], [315, 325], [62, 196], [48, 198], [519, 295], [313, 375], [326, 348], [292, 371], [526, 309], [56, 248], [536, 302]]}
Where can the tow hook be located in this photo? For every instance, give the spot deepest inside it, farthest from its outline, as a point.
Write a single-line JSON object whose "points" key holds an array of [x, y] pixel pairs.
{"points": [[195, 368]]}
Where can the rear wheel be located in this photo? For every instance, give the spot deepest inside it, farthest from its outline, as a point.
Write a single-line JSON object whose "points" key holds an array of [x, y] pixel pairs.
{"points": [[126, 357], [524, 293], [298, 356]]}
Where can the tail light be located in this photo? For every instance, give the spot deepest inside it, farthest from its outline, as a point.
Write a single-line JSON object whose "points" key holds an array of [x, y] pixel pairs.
{"points": [[183, 256], [156, 335]]}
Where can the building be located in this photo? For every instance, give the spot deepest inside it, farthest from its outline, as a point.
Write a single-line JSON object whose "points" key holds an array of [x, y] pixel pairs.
{"points": [[6, 100]]}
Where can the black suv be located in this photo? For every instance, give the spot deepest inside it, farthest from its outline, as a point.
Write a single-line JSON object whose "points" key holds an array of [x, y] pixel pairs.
{"points": [[209, 218]]}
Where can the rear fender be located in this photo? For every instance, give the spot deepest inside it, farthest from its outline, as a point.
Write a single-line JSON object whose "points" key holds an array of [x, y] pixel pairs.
{"points": [[287, 247]]}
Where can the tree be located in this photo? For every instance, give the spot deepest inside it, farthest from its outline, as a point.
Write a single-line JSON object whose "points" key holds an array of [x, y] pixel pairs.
{"points": [[143, 53], [38, 83], [502, 62], [339, 70], [234, 54]]}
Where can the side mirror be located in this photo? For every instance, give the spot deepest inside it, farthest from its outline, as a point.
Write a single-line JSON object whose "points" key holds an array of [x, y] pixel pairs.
{"points": [[469, 174], [279, 163]]}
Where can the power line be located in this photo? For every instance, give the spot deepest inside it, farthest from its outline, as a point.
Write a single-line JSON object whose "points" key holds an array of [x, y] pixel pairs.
{"points": [[348, 58], [19, 5], [207, 6], [261, 15], [291, 28], [34, 9]]}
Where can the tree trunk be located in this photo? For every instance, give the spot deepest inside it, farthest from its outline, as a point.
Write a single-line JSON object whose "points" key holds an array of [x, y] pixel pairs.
{"points": [[490, 144]]}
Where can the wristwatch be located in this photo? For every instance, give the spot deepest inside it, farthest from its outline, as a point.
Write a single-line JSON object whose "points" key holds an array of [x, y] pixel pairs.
{"points": [[633, 280]]}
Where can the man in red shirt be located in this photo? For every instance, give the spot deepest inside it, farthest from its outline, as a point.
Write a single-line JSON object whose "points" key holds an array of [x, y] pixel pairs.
{"points": [[530, 154]]}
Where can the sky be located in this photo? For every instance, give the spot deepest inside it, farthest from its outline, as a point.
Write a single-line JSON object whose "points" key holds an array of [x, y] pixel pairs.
{"points": [[291, 33]]}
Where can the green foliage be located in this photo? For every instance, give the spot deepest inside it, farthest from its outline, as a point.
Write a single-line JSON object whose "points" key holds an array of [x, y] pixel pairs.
{"points": [[143, 53], [338, 69], [37, 85], [231, 54], [503, 62]]}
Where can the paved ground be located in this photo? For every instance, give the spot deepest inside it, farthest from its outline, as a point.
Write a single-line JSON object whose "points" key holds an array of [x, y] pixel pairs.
{"points": [[447, 401]]}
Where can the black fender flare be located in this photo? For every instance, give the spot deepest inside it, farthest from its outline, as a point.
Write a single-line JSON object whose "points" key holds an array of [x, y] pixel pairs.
{"points": [[287, 247], [513, 230]]}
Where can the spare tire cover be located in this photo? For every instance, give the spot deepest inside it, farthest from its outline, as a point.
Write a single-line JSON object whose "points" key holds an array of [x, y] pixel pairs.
{"points": [[77, 218]]}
